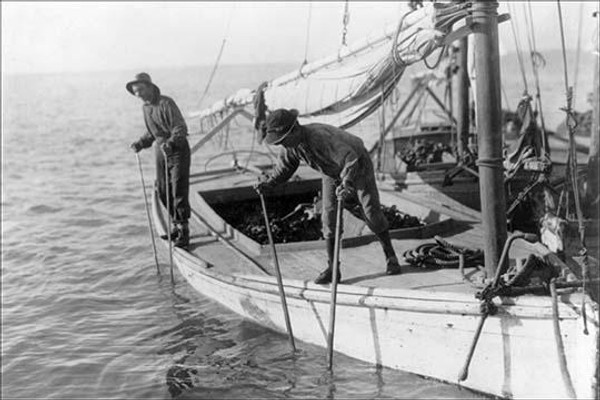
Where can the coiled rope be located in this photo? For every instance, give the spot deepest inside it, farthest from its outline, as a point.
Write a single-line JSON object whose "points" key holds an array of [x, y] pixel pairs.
{"points": [[443, 254]]}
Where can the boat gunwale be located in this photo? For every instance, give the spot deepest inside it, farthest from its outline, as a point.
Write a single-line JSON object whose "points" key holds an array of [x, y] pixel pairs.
{"points": [[532, 307], [198, 198], [381, 298], [370, 296]]}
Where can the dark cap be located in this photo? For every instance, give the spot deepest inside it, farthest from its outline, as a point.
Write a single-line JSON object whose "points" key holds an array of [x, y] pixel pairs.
{"points": [[142, 77], [279, 124]]}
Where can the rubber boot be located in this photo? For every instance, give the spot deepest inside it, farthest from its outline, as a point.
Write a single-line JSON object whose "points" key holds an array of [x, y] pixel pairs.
{"points": [[174, 233], [183, 235], [392, 265], [327, 275]]}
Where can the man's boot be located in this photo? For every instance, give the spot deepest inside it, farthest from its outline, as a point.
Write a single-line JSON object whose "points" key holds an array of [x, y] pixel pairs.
{"points": [[393, 267], [174, 233], [183, 235], [327, 275]]}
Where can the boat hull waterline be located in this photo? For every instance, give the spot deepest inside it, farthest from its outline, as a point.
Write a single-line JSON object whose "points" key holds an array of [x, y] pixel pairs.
{"points": [[421, 332]]}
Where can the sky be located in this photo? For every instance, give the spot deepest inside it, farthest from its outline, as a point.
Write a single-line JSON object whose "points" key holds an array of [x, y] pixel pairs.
{"points": [[95, 36]]}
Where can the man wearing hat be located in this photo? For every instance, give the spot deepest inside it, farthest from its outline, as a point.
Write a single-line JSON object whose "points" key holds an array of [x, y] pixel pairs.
{"points": [[165, 126], [347, 171]]}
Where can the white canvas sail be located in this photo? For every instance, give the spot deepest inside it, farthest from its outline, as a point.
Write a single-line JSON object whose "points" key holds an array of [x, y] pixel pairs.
{"points": [[348, 86]]}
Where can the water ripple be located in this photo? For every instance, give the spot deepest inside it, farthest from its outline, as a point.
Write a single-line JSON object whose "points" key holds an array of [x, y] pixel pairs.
{"points": [[85, 314]]}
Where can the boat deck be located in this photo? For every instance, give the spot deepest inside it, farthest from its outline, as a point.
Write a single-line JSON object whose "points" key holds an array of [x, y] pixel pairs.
{"points": [[362, 265]]}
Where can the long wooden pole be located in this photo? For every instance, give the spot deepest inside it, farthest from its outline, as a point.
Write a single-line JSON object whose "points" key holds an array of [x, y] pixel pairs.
{"points": [[150, 227], [560, 348], [286, 314], [491, 182], [168, 196], [334, 283], [464, 372], [530, 237]]}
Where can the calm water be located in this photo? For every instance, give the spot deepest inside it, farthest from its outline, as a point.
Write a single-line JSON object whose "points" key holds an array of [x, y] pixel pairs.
{"points": [[84, 313]]}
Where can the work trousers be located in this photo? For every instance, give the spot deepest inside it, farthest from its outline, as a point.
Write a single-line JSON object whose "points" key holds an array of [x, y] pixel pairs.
{"points": [[366, 194], [178, 166]]}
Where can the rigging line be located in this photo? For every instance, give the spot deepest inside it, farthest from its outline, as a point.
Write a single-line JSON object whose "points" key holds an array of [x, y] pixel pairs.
{"points": [[345, 22], [535, 68], [307, 34], [214, 70], [518, 47], [569, 123], [576, 77], [437, 63], [507, 103], [564, 52]]}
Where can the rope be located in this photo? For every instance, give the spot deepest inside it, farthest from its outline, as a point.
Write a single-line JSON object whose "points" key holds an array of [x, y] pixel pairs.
{"points": [[307, 34], [380, 151], [437, 63], [345, 22], [214, 70], [251, 149], [571, 125], [395, 56], [576, 78], [572, 164], [442, 254], [518, 47], [534, 66], [564, 51]]}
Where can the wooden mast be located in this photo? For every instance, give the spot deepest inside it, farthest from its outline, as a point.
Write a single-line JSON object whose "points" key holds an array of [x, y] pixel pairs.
{"points": [[489, 108]]}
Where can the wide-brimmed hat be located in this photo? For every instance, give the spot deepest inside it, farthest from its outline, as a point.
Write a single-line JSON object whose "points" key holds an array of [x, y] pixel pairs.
{"points": [[142, 77], [279, 125]]}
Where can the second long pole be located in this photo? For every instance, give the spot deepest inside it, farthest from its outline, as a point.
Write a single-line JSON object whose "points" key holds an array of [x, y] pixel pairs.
{"points": [[278, 273], [168, 196], [334, 282]]}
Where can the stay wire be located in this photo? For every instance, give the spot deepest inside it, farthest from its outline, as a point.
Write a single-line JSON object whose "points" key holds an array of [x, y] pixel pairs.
{"points": [[571, 124], [214, 70], [345, 22], [577, 57], [534, 66], [307, 34], [518, 48]]}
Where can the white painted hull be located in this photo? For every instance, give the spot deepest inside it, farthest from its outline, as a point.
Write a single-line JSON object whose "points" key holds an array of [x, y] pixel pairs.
{"points": [[426, 333]]}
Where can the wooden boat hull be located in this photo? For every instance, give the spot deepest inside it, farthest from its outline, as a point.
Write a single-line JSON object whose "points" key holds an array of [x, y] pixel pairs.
{"points": [[426, 333]]}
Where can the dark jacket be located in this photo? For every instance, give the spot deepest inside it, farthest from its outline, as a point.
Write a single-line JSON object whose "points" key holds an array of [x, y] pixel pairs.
{"points": [[164, 123], [325, 148]]}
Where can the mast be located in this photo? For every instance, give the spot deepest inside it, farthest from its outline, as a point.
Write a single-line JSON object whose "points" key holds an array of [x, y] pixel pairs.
{"points": [[461, 80], [489, 108]]}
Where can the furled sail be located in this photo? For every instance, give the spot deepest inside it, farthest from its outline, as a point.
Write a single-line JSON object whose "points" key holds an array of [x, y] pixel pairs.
{"points": [[345, 88]]}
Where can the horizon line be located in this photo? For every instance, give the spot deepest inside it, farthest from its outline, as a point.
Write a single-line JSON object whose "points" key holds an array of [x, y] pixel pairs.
{"points": [[163, 67]]}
